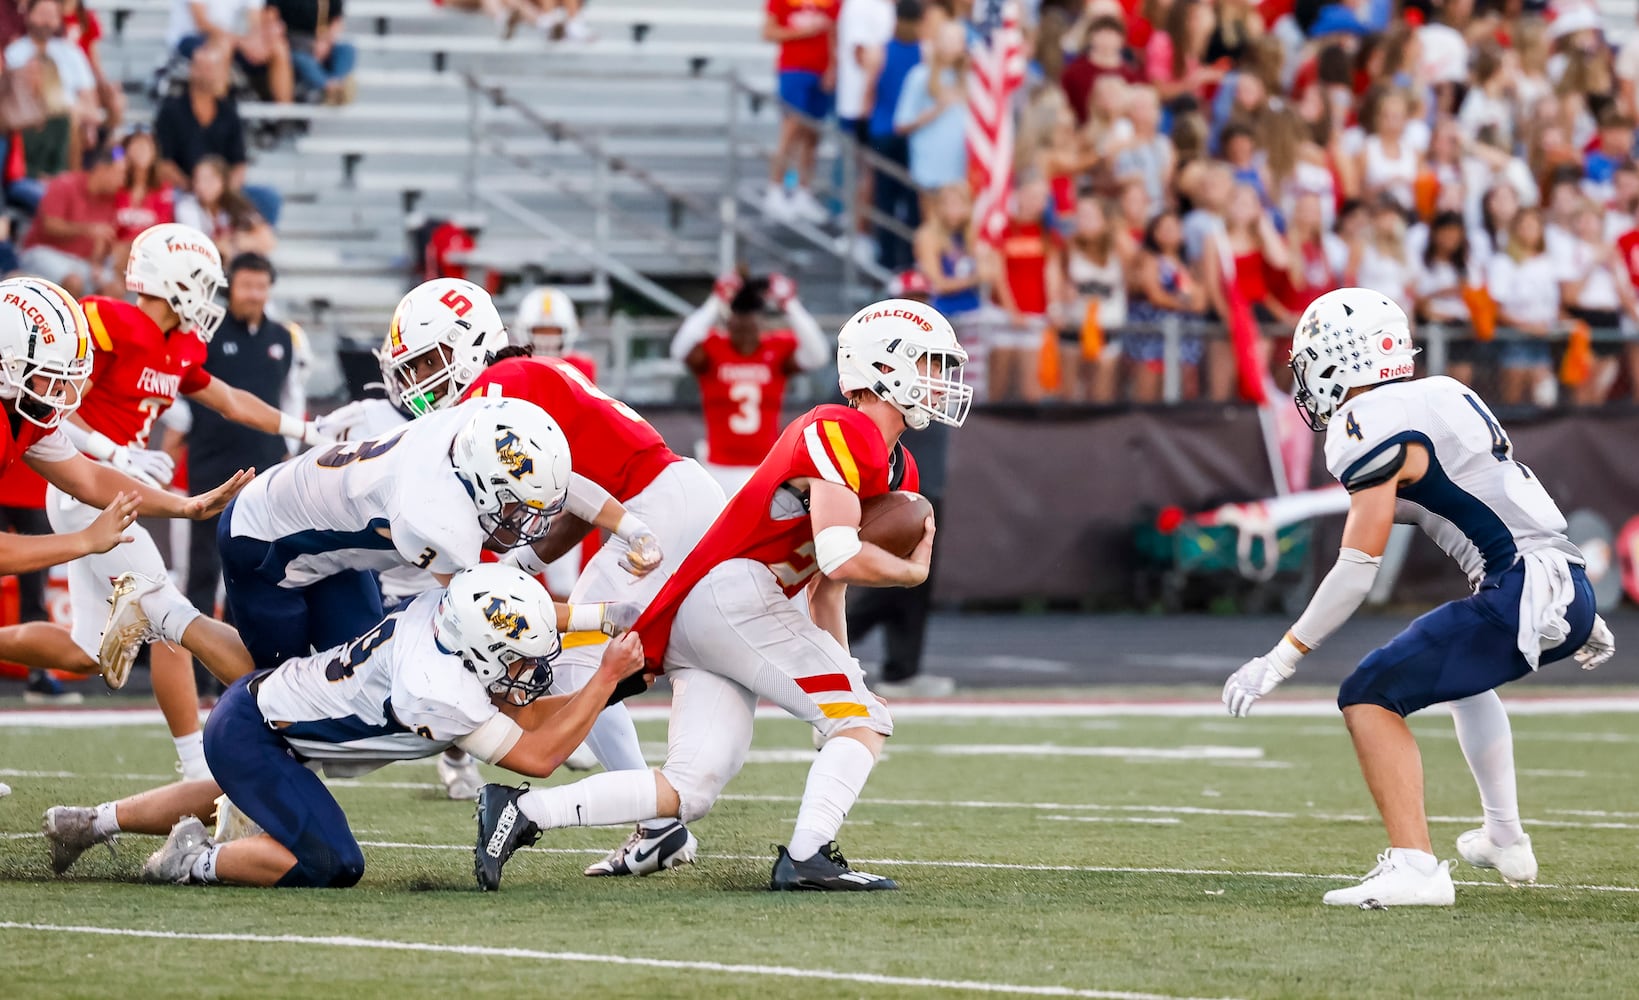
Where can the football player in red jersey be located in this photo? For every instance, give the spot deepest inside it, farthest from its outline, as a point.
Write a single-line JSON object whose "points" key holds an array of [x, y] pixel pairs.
{"points": [[145, 356], [743, 368], [46, 357], [726, 632], [669, 502], [548, 325]]}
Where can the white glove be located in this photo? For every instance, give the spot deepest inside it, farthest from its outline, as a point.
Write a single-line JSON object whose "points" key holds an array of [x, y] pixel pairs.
{"points": [[1256, 678], [339, 425], [1599, 648], [150, 468], [313, 435], [643, 554]]}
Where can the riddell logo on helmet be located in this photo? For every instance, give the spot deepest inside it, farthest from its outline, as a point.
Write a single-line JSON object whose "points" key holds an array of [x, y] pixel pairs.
{"points": [[1402, 370], [898, 314]]}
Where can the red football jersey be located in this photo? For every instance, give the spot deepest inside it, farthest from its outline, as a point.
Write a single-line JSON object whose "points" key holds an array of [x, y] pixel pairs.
{"points": [[741, 395], [835, 443], [138, 370], [609, 443], [20, 436]]}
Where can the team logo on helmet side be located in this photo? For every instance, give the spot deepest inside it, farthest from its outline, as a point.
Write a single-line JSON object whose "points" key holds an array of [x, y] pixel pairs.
{"points": [[504, 620], [509, 449]]}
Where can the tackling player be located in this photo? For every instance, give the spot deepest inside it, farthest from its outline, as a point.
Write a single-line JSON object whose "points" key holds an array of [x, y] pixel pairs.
{"points": [[466, 666], [743, 369], [1430, 450], [726, 631]]}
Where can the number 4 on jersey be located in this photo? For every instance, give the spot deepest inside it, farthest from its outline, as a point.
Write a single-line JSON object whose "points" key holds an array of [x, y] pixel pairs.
{"points": [[1502, 449]]}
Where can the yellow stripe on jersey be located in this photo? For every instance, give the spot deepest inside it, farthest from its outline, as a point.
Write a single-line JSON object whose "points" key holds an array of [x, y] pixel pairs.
{"points": [[573, 640], [99, 331], [844, 710], [839, 448]]}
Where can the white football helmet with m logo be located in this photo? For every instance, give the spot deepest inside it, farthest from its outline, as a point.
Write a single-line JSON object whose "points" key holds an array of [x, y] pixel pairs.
{"points": [[503, 625], [514, 461]]}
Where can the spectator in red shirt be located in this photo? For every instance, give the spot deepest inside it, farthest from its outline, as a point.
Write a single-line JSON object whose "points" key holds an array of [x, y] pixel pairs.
{"points": [[1033, 270], [805, 31], [1173, 57], [145, 200], [1105, 54], [73, 239], [1241, 257]]}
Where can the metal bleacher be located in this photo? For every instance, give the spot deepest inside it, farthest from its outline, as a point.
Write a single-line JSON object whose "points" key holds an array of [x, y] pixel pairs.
{"points": [[650, 95]]}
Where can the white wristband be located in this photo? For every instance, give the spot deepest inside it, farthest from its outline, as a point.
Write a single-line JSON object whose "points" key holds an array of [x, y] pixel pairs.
{"points": [[93, 443], [585, 618], [292, 427], [630, 527], [1286, 656], [836, 545]]}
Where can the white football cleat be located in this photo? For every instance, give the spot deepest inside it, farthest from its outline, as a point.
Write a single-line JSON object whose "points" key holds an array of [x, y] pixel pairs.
{"points": [[648, 851], [70, 831], [1516, 863], [231, 824], [5, 789], [128, 628], [1397, 881], [583, 759], [173, 863], [460, 776]]}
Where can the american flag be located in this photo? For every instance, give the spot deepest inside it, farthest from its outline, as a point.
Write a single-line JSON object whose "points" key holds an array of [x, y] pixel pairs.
{"points": [[996, 69]]}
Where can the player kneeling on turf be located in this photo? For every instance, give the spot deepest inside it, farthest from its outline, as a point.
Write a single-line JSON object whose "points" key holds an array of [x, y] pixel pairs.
{"points": [[1432, 449], [727, 633], [465, 666]]}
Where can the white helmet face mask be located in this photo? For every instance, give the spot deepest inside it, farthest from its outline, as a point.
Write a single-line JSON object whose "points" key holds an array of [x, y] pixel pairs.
{"points": [[45, 350], [906, 353], [547, 321], [180, 265], [445, 332], [502, 624], [514, 462], [1347, 339]]}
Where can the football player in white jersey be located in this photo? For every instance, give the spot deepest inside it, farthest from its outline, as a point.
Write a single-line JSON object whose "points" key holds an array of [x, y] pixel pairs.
{"points": [[466, 666], [1430, 451]]}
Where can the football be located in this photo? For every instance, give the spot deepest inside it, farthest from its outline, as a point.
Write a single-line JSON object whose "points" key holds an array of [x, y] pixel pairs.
{"points": [[894, 521]]}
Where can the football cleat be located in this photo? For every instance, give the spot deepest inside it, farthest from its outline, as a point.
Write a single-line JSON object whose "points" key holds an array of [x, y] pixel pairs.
{"points": [[502, 829], [459, 775], [70, 831], [173, 862], [648, 851], [128, 628], [826, 871], [1397, 882], [232, 824], [1516, 863]]}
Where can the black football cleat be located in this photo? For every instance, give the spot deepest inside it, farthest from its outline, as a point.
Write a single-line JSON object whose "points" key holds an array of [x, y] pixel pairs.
{"points": [[502, 829], [826, 871]]}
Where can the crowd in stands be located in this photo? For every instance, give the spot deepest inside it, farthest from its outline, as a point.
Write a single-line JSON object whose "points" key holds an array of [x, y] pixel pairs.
{"points": [[556, 20], [1473, 160]]}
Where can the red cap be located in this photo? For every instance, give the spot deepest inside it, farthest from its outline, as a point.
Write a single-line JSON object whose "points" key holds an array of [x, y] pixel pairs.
{"points": [[908, 283]]}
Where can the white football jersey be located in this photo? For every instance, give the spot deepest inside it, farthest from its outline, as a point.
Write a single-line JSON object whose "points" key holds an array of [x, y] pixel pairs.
{"points": [[391, 694], [368, 418], [325, 509], [1478, 504]]}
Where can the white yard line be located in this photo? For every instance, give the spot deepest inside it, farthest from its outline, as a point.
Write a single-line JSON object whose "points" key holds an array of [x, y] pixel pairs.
{"points": [[96, 718], [773, 971]]}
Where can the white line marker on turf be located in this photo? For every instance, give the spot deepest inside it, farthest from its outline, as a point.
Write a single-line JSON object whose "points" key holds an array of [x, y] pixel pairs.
{"points": [[1156, 820], [778, 971]]}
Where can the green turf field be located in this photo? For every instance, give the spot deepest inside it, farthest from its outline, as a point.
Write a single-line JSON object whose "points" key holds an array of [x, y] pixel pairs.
{"points": [[1175, 857]]}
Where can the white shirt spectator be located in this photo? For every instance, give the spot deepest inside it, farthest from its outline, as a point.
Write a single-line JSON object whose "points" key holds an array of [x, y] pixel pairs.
{"points": [[1311, 178], [863, 24], [1481, 109], [1478, 178], [73, 69], [1627, 60], [1528, 291], [1598, 282], [1561, 242], [231, 15], [1385, 275]]}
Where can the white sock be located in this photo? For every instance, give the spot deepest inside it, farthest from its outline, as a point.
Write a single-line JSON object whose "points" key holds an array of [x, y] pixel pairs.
{"points": [[107, 822], [204, 866], [190, 750], [1421, 861], [1487, 740], [169, 612], [607, 799], [834, 783]]}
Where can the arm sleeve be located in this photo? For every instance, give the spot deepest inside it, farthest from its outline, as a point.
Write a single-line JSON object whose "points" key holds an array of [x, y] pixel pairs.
{"points": [[695, 329], [586, 498], [1337, 597], [194, 379], [812, 350]]}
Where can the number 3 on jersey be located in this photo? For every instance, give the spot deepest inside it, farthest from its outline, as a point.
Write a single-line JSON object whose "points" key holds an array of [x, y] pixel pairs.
{"points": [[748, 419]]}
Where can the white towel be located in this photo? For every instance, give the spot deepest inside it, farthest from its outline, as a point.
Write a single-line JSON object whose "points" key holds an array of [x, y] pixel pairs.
{"points": [[1544, 602]]}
